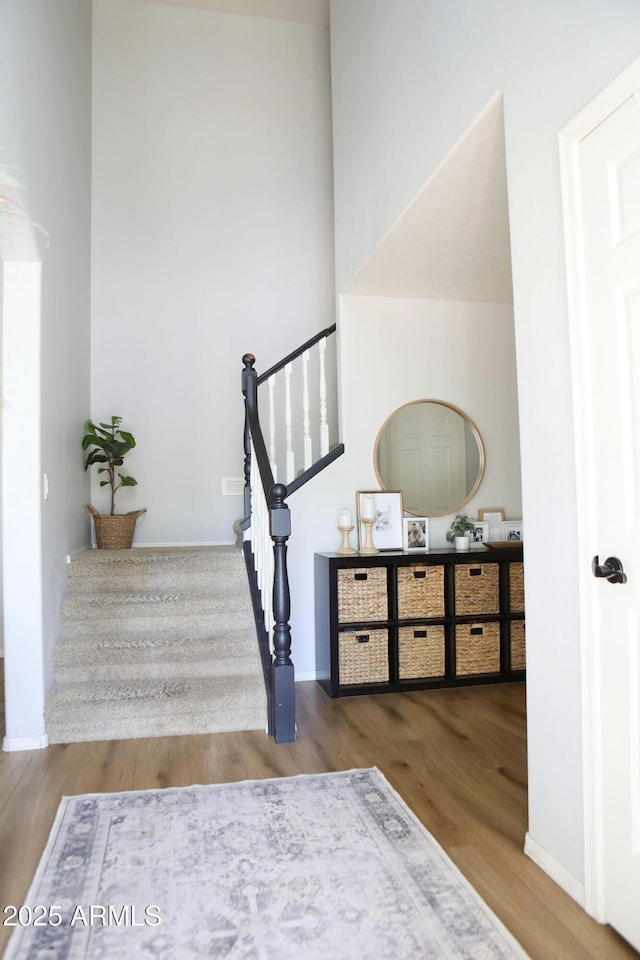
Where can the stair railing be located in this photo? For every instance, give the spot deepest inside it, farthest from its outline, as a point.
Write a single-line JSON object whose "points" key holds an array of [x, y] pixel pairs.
{"points": [[301, 382]]}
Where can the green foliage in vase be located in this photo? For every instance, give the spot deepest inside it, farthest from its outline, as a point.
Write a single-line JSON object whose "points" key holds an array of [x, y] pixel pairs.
{"points": [[461, 526], [108, 445]]}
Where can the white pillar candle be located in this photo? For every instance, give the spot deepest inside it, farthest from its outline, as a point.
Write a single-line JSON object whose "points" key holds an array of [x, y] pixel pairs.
{"points": [[368, 506], [344, 518]]}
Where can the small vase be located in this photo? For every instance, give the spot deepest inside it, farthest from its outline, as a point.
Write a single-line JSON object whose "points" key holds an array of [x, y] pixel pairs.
{"points": [[462, 543]]}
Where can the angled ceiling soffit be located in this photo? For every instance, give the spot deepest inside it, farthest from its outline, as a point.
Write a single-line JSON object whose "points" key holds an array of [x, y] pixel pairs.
{"points": [[452, 242]]}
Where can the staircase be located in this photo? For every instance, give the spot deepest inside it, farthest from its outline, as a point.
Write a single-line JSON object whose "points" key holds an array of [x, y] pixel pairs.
{"points": [[162, 642], [156, 642]]}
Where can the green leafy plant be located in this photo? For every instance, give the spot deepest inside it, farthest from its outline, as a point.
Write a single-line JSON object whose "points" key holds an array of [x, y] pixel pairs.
{"points": [[108, 445], [461, 526]]}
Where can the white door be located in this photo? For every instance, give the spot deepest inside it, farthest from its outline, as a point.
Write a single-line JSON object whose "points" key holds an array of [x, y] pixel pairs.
{"points": [[607, 164]]}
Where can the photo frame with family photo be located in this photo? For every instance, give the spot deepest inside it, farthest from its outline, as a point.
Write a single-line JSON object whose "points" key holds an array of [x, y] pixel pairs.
{"points": [[512, 531], [480, 533], [415, 534]]}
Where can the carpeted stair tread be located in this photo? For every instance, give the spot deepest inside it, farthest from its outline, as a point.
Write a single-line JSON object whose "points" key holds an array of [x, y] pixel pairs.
{"points": [[154, 569], [139, 628], [177, 643], [175, 605], [223, 656], [156, 642], [155, 708]]}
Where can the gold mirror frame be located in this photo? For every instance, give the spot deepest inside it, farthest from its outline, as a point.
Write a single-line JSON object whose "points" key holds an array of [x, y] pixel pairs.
{"points": [[476, 434]]}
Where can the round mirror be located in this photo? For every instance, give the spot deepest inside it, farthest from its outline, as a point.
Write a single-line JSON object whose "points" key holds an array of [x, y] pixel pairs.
{"points": [[433, 453]]}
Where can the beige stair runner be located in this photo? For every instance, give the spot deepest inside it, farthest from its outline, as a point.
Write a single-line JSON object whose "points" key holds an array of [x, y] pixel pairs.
{"points": [[156, 642]]}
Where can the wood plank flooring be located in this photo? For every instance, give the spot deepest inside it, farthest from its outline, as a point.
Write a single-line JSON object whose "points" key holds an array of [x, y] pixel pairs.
{"points": [[458, 757]]}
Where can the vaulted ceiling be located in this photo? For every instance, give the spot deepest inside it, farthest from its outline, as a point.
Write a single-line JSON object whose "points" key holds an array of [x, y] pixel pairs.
{"points": [[452, 242]]}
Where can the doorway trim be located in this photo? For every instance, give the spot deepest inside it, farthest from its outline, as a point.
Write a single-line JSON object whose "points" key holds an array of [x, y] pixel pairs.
{"points": [[625, 86]]}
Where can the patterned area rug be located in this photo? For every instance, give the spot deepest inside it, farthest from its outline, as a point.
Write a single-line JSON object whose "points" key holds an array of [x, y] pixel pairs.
{"points": [[329, 866]]}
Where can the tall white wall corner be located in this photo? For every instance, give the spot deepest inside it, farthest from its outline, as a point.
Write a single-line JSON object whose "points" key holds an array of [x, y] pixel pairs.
{"points": [[22, 504]]}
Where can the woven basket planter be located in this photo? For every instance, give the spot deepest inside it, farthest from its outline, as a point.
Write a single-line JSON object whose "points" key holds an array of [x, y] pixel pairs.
{"points": [[114, 532]]}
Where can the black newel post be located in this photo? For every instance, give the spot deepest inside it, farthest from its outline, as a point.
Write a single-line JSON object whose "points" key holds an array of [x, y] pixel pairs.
{"points": [[283, 672], [250, 394]]}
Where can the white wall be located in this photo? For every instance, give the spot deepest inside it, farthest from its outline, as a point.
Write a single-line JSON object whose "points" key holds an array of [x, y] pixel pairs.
{"points": [[377, 334], [45, 123], [408, 78], [460, 353], [212, 237]]}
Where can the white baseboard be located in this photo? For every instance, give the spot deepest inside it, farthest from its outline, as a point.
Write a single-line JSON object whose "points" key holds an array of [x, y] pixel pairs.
{"points": [[13, 744], [555, 870], [190, 543], [310, 675]]}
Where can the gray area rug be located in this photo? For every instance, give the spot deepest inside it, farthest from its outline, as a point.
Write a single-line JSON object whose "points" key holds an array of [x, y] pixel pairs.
{"points": [[156, 642], [329, 866]]}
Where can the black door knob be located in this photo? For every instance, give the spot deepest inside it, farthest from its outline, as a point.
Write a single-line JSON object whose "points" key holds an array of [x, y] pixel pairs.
{"points": [[610, 570]]}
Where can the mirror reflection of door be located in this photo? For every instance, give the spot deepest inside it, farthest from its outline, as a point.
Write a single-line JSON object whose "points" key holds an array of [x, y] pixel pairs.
{"points": [[430, 452]]}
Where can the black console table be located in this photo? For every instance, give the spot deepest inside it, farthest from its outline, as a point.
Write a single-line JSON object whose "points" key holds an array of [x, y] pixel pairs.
{"points": [[405, 621]]}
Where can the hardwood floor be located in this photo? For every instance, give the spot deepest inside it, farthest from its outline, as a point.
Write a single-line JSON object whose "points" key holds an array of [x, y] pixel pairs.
{"points": [[458, 757]]}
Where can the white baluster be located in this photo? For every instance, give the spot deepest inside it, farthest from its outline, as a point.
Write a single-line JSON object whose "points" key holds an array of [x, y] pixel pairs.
{"points": [[324, 426], [272, 426], [306, 419], [288, 423]]}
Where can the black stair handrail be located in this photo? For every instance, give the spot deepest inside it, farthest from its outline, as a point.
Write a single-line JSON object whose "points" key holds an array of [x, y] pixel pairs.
{"points": [[253, 430], [323, 335]]}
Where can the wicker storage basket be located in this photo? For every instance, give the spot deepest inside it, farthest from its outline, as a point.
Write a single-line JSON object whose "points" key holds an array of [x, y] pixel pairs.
{"points": [[362, 595], [516, 587], [114, 532], [420, 591], [477, 648], [477, 588], [363, 657], [420, 652], [518, 645]]}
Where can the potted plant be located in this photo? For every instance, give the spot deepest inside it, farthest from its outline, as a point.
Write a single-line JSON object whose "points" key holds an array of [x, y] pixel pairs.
{"points": [[459, 532], [108, 445]]}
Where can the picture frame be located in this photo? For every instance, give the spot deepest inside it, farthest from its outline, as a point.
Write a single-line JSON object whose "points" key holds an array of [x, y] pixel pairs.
{"points": [[415, 534], [480, 533], [512, 531], [387, 529], [494, 516]]}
